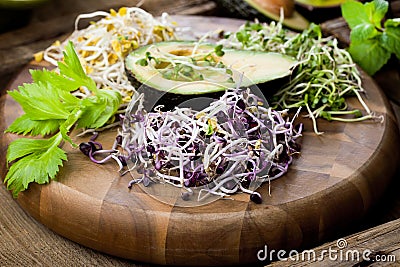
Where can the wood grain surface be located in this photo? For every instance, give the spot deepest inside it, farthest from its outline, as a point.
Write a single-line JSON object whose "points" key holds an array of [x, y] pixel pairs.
{"points": [[338, 177], [383, 241]]}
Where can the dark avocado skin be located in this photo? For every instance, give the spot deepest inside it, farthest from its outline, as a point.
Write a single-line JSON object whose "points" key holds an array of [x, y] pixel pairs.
{"points": [[241, 9], [319, 14], [154, 97]]}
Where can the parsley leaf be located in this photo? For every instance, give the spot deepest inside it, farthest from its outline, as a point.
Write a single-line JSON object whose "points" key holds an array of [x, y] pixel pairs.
{"points": [[55, 79], [24, 125], [39, 160], [40, 101], [99, 109], [72, 68], [50, 108], [371, 45]]}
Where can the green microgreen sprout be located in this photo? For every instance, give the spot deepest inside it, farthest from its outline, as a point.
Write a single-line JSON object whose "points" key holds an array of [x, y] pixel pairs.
{"points": [[325, 76], [188, 68]]}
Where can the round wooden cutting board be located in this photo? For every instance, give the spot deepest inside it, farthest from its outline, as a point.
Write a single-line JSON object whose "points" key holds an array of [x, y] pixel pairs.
{"points": [[337, 178]]}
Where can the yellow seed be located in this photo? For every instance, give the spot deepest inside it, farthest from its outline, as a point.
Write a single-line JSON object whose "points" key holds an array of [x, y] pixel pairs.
{"points": [[126, 44], [38, 56], [88, 70], [57, 43], [135, 44], [200, 114], [257, 145], [112, 58], [116, 46], [122, 11], [213, 123], [94, 41], [110, 27], [126, 99], [113, 12]]}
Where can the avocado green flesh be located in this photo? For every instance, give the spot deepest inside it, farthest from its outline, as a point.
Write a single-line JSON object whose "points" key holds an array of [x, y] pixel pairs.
{"points": [[321, 3], [256, 68]]}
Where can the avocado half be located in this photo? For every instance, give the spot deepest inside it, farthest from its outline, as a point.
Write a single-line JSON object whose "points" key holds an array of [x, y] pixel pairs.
{"points": [[321, 3], [248, 68], [266, 9]]}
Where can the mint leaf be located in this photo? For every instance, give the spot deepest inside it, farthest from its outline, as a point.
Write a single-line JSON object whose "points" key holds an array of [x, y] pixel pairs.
{"points": [[24, 125], [363, 32], [354, 13], [40, 161], [369, 54], [391, 36], [371, 45], [376, 11]]}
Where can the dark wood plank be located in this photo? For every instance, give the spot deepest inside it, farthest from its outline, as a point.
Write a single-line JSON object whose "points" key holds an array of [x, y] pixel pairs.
{"points": [[339, 176], [383, 241]]}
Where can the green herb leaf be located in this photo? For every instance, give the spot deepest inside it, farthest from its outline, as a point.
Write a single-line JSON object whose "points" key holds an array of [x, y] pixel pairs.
{"points": [[210, 130], [376, 11], [40, 101], [371, 45], [99, 109], [369, 54], [39, 161], [24, 125], [58, 81], [363, 32], [73, 70], [391, 36], [50, 108], [354, 13], [243, 37]]}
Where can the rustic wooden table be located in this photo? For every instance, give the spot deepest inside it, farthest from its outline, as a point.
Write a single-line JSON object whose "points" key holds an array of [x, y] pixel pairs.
{"points": [[25, 242]]}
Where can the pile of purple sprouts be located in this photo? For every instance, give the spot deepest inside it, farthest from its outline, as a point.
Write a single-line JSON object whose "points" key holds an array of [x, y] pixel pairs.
{"points": [[224, 148]]}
